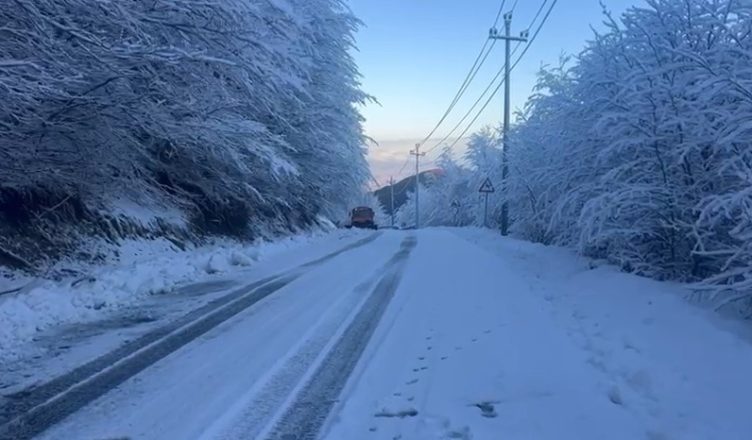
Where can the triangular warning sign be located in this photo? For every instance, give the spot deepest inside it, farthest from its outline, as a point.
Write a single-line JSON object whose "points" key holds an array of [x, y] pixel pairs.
{"points": [[487, 186]]}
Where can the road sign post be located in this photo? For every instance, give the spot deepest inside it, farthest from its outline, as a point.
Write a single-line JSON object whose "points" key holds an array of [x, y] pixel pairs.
{"points": [[485, 212], [456, 205], [486, 188]]}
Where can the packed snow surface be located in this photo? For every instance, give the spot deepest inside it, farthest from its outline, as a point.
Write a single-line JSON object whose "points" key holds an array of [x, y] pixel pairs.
{"points": [[486, 337]]}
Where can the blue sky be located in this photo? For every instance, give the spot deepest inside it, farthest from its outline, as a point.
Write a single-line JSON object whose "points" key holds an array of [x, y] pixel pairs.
{"points": [[414, 54]]}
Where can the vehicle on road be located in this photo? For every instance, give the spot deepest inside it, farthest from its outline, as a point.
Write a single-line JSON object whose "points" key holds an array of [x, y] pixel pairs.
{"points": [[362, 217]]}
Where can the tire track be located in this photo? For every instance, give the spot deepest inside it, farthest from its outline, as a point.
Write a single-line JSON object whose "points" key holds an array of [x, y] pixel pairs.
{"points": [[305, 417], [32, 411], [277, 389]]}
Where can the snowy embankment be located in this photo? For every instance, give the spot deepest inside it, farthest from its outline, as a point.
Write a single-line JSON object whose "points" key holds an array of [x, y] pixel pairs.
{"points": [[490, 337], [679, 370], [137, 270]]}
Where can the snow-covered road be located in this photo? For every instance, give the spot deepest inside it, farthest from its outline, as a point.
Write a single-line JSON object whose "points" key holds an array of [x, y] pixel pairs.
{"points": [[421, 335]]}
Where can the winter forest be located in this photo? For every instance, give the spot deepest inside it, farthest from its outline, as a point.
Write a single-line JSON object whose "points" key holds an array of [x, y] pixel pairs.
{"points": [[637, 151], [179, 118], [193, 120]]}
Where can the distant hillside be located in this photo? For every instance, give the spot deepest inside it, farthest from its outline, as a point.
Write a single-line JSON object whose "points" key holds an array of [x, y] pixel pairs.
{"points": [[403, 188]]}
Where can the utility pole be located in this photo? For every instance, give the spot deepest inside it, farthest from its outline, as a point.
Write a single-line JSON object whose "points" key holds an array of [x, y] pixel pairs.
{"points": [[508, 38], [391, 204], [417, 155]]}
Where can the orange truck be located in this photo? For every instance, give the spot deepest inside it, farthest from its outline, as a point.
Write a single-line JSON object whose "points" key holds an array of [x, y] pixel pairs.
{"points": [[362, 217]]}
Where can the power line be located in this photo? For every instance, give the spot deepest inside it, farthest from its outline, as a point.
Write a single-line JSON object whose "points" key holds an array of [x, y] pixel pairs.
{"points": [[378, 184], [490, 85], [475, 104], [466, 85], [488, 88], [404, 165], [471, 75], [477, 64], [540, 26], [537, 14], [498, 87], [501, 11], [527, 47]]}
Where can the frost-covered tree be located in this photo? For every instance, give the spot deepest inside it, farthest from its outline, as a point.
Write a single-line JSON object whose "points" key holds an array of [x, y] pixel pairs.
{"points": [[638, 150], [237, 112], [451, 198], [483, 159]]}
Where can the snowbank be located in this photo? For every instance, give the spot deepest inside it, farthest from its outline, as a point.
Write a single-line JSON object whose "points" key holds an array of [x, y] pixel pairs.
{"points": [[494, 338], [682, 370], [136, 270]]}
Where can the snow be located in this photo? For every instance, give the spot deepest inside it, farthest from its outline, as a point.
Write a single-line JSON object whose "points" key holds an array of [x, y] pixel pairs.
{"points": [[144, 214], [216, 137], [141, 270], [491, 337], [237, 372], [636, 150], [486, 337]]}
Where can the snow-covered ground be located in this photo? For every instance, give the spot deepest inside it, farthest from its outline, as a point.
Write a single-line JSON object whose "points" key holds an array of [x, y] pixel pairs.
{"points": [[142, 271], [231, 382], [485, 338], [495, 338]]}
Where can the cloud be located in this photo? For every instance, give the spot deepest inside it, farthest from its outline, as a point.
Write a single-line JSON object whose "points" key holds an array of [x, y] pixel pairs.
{"points": [[390, 158]]}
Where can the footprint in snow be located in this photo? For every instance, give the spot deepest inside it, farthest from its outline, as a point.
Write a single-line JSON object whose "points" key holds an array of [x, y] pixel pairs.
{"points": [[614, 395], [487, 409], [409, 412], [629, 346], [462, 434], [412, 382]]}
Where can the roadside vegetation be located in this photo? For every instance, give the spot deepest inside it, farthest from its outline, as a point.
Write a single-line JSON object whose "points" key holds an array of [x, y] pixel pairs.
{"points": [[173, 119]]}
